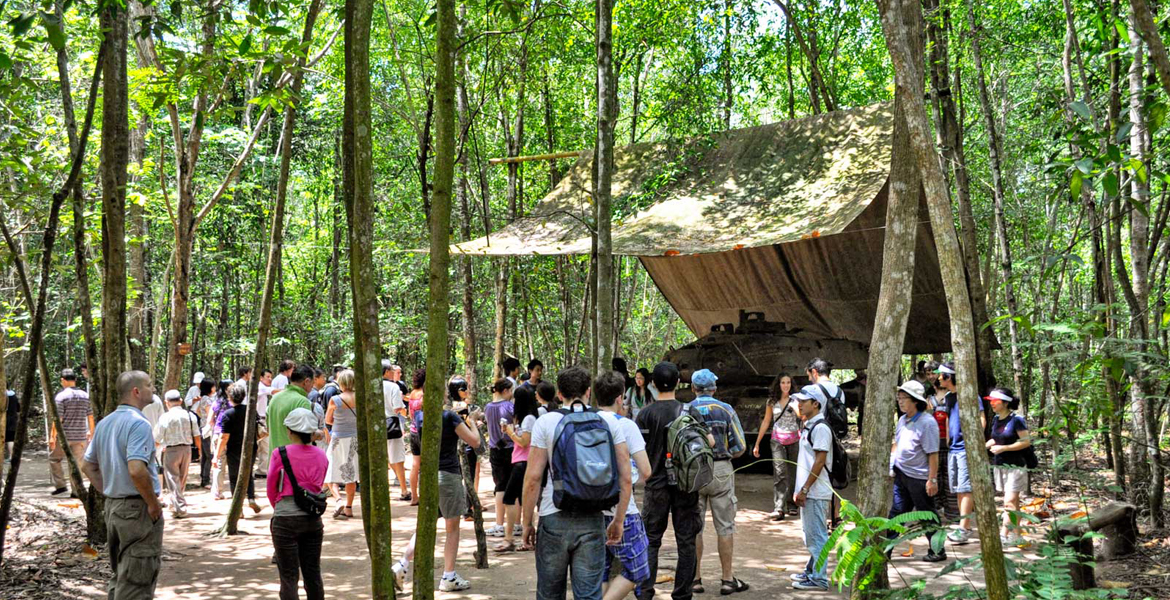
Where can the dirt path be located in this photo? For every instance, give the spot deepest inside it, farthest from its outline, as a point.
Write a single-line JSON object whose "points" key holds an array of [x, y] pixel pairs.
{"points": [[199, 567]]}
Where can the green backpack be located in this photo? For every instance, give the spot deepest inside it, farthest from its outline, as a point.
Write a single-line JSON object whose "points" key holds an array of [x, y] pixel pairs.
{"points": [[690, 462]]}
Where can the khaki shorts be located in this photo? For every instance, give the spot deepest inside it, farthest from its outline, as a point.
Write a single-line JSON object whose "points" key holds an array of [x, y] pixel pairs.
{"points": [[720, 494], [452, 495], [1010, 479]]}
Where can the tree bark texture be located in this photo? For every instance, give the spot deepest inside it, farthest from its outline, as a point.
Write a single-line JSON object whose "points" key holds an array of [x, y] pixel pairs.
{"points": [[954, 283], [470, 353], [114, 160], [437, 334], [602, 184]]}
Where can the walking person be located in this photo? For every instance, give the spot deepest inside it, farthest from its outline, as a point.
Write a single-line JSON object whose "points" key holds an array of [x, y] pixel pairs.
{"points": [[343, 446], [194, 391], [571, 542], [282, 379], [452, 495], [120, 461], [233, 423], [394, 408], [297, 535], [640, 394], [524, 416], [176, 432], [264, 393], [723, 422], [414, 402], [201, 407], [76, 413], [294, 395], [511, 370], [914, 460], [633, 552], [813, 491], [959, 478], [219, 484], [783, 415], [498, 413], [661, 500], [1009, 445]]}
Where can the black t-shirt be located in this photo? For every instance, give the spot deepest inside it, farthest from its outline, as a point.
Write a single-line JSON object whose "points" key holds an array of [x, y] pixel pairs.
{"points": [[448, 443], [234, 422], [1006, 433], [13, 415], [654, 420]]}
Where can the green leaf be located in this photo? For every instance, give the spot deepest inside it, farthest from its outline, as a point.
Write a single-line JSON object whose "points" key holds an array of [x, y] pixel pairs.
{"points": [[245, 44], [1085, 165], [5, 61], [1110, 184], [1157, 116], [1123, 132], [1122, 31], [55, 34], [276, 30], [1080, 108], [1074, 185], [21, 24]]}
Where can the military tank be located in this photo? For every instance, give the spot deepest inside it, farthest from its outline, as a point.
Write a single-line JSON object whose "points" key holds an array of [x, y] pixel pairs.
{"points": [[747, 357]]}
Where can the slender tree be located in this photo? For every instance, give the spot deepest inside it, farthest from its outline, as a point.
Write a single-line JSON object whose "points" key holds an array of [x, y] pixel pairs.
{"points": [[602, 183], [955, 285]]}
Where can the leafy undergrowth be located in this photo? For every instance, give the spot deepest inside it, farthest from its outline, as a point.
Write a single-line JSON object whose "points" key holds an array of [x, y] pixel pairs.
{"points": [[46, 556]]}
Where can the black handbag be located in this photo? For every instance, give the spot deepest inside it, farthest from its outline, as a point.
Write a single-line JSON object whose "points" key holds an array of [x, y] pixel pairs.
{"points": [[314, 504], [393, 428]]}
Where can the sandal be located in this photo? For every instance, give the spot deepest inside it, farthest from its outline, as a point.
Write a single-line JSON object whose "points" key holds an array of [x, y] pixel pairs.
{"points": [[349, 512], [697, 586], [733, 586], [340, 513], [504, 547], [405, 497]]}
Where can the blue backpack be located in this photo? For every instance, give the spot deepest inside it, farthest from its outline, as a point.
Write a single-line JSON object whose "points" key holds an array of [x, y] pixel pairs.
{"points": [[583, 462]]}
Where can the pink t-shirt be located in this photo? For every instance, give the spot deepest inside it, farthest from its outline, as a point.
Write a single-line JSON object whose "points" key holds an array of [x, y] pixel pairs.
{"points": [[520, 453], [309, 464]]}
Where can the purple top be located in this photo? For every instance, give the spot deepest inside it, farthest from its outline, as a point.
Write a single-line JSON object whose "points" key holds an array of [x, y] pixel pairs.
{"points": [[496, 410]]}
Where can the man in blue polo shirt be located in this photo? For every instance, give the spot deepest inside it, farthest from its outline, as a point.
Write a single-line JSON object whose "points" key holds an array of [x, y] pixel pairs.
{"points": [[120, 460]]}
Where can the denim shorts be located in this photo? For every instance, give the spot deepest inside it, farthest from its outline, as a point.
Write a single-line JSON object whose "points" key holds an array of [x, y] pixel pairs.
{"points": [[958, 476], [631, 551]]}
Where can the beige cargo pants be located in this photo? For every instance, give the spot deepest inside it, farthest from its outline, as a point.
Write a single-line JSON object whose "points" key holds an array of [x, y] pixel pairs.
{"points": [[135, 544]]}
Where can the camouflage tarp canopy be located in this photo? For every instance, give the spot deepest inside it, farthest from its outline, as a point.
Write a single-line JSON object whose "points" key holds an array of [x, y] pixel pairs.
{"points": [[786, 219]]}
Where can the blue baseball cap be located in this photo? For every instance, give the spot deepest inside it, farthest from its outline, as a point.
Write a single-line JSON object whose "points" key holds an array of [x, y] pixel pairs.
{"points": [[703, 379]]}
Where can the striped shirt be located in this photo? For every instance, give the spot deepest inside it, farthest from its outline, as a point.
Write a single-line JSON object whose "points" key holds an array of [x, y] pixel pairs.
{"points": [[75, 410]]}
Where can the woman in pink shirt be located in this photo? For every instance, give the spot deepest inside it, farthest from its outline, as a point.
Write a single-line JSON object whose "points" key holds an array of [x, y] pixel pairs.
{"points": [[520, 430], [297, 535]]}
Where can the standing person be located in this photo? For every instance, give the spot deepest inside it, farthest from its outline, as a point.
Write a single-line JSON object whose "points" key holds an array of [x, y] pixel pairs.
{"points": [[343, 445], [619, 365], [394, 408], [176, 432], [511, 369], [414, 403], [498, 413], [813, 491], [220, 406], [570, 542], [520, 431], [784, 417], [914, 459], [10, 422], [633, 550], [945, 501], [76, 415], [296, 534], [233, 423], [1008, 445], [546, 394], [823, 389], [120, 461], [314, 398], [640, 394], [244, 376], [264, 394], [193, 391], [452, 495], [958, 477], [723, 422], [293, 396], [535, 372], [662, 500], [202, 408], [282, 379]]}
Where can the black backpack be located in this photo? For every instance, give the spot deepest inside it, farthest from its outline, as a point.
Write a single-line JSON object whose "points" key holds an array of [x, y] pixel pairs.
{"points": [[839, 467], [312, 503], [835, 414]]}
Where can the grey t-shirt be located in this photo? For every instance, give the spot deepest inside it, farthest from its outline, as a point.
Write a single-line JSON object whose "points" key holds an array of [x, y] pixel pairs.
{"points": [[914, 441]]}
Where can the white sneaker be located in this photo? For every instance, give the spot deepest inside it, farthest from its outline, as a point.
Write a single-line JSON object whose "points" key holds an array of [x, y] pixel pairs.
{"points": [[495, 531], [454, 585], [399, 570], [959, 536], [518, 530]]}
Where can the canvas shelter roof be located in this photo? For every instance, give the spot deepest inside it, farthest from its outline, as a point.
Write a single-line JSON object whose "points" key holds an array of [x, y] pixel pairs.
{"points": [[787, 219]]}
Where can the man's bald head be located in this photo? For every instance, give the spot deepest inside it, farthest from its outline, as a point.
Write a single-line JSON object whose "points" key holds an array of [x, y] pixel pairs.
{"points": [[134, 389]]}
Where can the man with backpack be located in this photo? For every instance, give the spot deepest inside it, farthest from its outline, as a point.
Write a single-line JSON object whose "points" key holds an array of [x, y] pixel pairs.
{"points": [[724, 424], [668, 495], [580, 456], [832, 401], [813, 492]]}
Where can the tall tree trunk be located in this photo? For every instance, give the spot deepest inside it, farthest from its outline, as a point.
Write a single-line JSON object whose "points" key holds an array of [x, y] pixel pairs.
{"points": [[113, 46], [437, 332], [725, 59], [138, 329], [995, 150], [470, 354], [893, 315], [602, 183], [955, 284], [4, 415], [115, 155], [275, 247]]}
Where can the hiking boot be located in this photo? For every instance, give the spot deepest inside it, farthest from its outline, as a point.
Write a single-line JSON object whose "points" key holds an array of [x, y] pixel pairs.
{"points": [[453, 585], [806, 584], [959, 536]]}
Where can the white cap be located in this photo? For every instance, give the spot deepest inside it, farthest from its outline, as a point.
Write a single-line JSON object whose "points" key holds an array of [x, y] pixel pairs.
{"points": [[914, 389], [301, 420], [198, 379], [173, 396], [998, 395]]}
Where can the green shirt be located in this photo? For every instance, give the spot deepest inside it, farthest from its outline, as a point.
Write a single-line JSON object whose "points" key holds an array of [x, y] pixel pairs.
{"points": [[278, 408]]}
